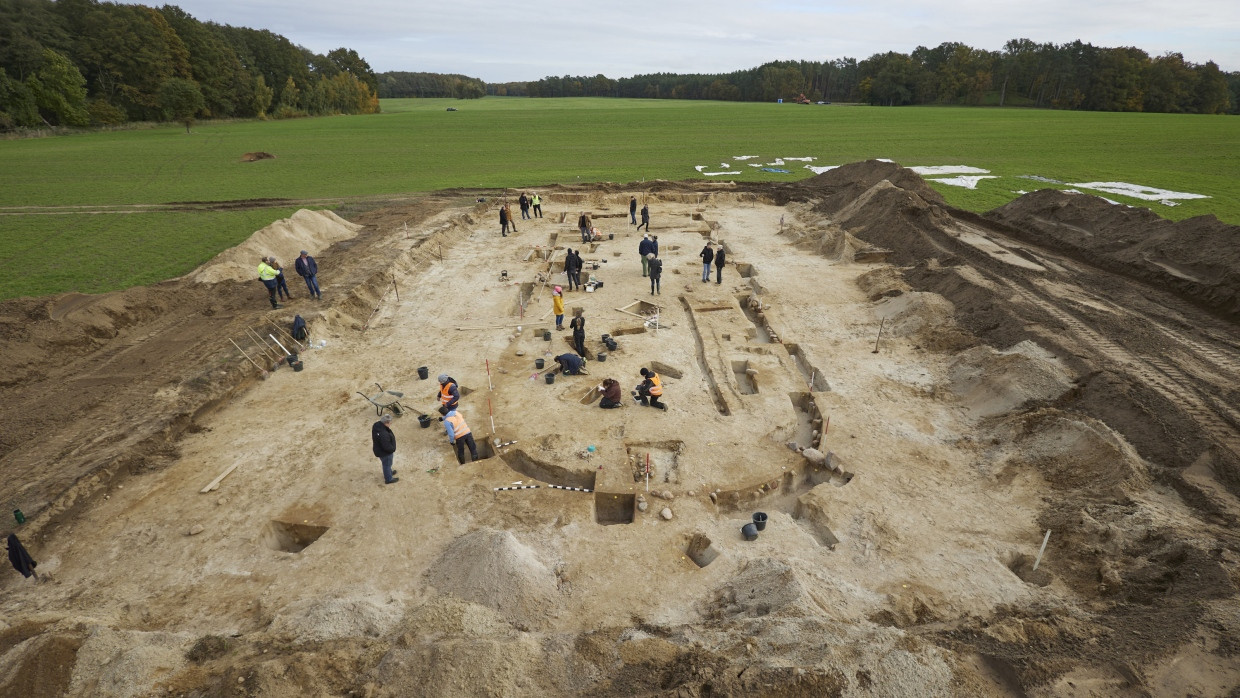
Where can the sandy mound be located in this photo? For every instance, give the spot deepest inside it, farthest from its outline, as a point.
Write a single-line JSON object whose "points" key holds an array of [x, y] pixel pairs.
{"points": [[910, 313], [448, 616], [990, 382], [494, 569], [125, 663], [1198, 257], [312, 231], [764, 586], [1072, 451], [255, 157], [314, 620]]}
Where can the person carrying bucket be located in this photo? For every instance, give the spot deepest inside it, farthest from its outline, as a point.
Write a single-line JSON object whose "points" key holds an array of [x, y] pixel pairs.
{"points": [[650, 390], [557, 307], [459, 435], [449, 395]]}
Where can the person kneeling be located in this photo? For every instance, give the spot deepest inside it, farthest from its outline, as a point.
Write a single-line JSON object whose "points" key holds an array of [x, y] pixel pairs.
{"points": [[460, 436], [650, 390], [611, 393], [570, 364]]}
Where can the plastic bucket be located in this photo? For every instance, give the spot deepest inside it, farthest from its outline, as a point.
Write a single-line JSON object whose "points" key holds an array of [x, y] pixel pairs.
{"points": [[297, 365], [423, 372], [539, 363], [424, 420], [759, 520], [610, 236], [290, 359], [550, 378], [602, 356], [606, 337], [547, 335], [750, 531]]}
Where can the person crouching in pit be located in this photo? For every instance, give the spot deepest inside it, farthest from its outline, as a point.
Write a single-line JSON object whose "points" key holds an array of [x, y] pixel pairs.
{"points": [[650, 390]]}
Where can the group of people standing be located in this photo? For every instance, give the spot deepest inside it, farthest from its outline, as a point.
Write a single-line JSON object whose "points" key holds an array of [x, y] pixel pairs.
{"points": [[272, 275], [713, 254], [383, 439], [526, 202], [572, 267]]}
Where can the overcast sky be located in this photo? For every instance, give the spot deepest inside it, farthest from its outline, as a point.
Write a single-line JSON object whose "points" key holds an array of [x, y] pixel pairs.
{"points": [[511, 41]]}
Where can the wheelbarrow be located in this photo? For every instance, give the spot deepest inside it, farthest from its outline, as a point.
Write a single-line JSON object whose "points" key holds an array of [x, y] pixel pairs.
{"points": [[385, 400]]}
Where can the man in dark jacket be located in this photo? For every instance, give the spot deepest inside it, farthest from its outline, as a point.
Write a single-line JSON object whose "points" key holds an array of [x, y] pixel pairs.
{"points": [[645, 218], [572, 267], [383, 443], [524, 201], [570, 364], [645, 247], [656, 272], [503, 221], [720, 259], [308, 269], [633, 209], [708, 255]]}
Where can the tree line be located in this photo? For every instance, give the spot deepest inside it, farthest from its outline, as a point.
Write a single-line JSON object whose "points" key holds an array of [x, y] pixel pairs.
{"points": [[1075, 75], [84, 62]]}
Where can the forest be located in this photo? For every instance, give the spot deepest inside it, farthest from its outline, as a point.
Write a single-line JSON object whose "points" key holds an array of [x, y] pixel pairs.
{"points": [[1075, 75], [84, 63]]}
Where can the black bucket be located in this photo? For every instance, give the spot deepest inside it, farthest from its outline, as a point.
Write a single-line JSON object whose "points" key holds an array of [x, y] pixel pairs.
{"points": [[550, 377], [759, 520], [423, 372], [606, 337], [602, 356], [539, 363], [424, 420], [547, 335], [750, 531], [610, 236], [290, 359], [297, 366]]}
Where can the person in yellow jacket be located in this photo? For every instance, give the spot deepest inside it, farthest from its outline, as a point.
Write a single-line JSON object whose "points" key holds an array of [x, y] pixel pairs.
{"points": [[267, 274], [459, 435], [557, 307]]}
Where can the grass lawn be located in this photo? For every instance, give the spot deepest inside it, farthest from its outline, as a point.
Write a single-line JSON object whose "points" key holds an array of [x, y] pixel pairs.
{"points": [[418, 146]]}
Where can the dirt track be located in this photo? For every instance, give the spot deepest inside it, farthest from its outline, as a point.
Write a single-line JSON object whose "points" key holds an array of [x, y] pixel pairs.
{"points": [[1026, 381]]}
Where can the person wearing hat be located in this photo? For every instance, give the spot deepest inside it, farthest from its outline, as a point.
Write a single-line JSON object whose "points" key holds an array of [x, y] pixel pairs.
{"points": [[308, 269], [557, 307], [650, 390], [645, 247], [449, 395], [459, 435], [267, 275], [383, 444]]}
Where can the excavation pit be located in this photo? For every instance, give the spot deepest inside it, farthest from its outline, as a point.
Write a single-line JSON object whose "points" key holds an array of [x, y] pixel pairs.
{"points": [[614, 508], [287, 537]]}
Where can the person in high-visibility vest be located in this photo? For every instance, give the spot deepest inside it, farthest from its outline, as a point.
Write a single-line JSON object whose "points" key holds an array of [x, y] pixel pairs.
{"points": [[267, 275], [537, 205], [460, 436], [650, 390], [448, 394]]}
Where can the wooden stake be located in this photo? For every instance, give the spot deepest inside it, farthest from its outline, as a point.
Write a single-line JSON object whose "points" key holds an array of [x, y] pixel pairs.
{"points": [[880, 335], [1044, 540], [216, 482]]}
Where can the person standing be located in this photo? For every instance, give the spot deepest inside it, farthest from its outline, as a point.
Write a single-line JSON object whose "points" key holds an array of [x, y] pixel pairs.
{"points": [[654, 242], [308, 269], [572, 269], [281, 282], [720, 258], [650, 390], [645, 247], [460, 436], [383, 444], [503, 221], [708, 255], [656, 272], [267, 275], [537, 205], [578, 326], [633, 209], [449, 395], [645, 218], [524, 201], [611, 394], [511, 221], [557, 307], [583, 224]]}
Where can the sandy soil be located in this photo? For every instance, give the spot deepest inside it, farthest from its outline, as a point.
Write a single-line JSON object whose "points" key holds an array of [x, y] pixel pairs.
{"points": [[1021, 383]]}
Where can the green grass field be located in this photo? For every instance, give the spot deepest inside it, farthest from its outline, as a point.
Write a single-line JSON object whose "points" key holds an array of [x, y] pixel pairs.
{"points": [[418, 146]]}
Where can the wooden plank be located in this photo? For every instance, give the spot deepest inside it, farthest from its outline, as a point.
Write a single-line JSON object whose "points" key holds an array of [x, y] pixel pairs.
{"points": [[219, 478]]}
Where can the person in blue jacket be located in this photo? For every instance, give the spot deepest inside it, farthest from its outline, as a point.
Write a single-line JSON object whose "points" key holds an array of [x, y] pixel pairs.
{"points": [[308, 269], [645, 247], [570, 364]]}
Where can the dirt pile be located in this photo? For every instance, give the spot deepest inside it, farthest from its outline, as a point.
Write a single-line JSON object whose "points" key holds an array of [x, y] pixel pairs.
{"points": [[991, 382], [312, 231], [492, 568], [1198, 258]]}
